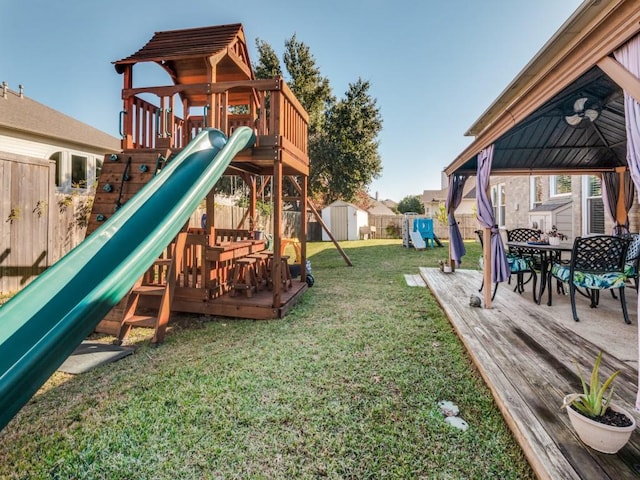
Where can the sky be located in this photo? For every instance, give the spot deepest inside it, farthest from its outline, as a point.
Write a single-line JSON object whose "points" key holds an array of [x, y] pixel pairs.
{"points": [[434, 66]]}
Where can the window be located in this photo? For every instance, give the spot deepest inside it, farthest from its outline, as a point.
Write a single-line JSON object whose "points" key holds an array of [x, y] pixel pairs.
{"points": [[560, 185], [78, 171], [58, 159], [594, 206], [535, 191], [98, 168], [498, 200]]}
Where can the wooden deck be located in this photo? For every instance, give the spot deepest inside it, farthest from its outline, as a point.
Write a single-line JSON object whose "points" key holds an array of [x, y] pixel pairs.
{"points": [[526, 352], [258, 307]]}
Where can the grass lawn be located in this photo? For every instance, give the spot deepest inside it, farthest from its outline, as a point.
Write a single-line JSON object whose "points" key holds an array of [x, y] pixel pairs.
{"points": [[346, 386]]}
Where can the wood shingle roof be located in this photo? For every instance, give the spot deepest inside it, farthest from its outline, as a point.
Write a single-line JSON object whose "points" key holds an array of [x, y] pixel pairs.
{"points": [[191, 42]]}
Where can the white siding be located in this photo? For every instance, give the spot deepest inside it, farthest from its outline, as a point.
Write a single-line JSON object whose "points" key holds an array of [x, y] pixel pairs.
{"points": [[39, 148]]}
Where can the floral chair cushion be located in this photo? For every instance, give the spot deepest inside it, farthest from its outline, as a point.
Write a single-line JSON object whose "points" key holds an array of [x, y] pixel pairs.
{"points": [[630, 269], [519, 264], [516, 264], [589, 280]]}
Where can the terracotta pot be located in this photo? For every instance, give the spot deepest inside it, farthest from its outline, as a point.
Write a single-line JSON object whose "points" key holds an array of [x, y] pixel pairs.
{"points": [[601, 437]]}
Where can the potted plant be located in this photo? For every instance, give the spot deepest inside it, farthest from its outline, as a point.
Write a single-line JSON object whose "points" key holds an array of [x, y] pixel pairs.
{"points": [[600, 424], [445, 267], [554, 236]]}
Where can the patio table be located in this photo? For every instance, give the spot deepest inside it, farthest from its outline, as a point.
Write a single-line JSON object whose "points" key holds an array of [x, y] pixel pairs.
{"points": [[548, 254]]}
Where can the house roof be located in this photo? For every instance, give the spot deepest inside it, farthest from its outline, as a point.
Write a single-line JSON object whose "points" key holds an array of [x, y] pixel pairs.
{"points": [[342, 203], [527, 124], [551, 205], [379, 208], [22, 114], [469, 191], [434, 195], [390, 203]]}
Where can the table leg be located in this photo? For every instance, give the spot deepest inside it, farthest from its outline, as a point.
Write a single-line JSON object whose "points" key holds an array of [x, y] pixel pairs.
{"points": [[543, 276]]}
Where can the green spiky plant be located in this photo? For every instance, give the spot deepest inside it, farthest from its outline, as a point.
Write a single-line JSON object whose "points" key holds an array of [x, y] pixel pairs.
{"points": [[595, 399]]}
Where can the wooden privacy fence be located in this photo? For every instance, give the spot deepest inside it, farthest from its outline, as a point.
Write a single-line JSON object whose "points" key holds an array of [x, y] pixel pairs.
{"points": [[390, 226], [38, 226]]}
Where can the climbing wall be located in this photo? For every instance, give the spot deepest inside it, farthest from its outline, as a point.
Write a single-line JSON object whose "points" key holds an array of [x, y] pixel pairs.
{"points": [[122, 176]]}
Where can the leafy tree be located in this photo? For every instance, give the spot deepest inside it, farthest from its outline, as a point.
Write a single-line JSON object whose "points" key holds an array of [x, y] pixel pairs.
{"points": [[441, 214], [310, 87], [268, 63], [411, 203], [345, 154], [343, 145]]}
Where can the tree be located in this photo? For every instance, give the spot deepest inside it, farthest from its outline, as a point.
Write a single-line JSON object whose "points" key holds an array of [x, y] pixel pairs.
{"points": [[268, 63], [345, 154], [343, 145], [309, 86], [411, 203]]}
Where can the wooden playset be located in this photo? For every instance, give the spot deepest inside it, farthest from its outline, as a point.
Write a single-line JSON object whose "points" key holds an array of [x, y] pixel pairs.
{"points": [[209, 270]]}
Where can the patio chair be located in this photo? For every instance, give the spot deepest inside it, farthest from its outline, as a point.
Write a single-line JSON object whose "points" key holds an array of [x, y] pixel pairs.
{"points": [[597, 263], [518, 265], [633, 258], [631, 262], [529, 259]]}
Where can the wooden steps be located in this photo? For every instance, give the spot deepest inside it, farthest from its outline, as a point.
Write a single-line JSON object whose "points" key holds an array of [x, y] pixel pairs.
{"points": [[165, 292]]}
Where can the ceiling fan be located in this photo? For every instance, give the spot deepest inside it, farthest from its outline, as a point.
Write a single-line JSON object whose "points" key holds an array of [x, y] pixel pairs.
{"points": [[584, 110]]}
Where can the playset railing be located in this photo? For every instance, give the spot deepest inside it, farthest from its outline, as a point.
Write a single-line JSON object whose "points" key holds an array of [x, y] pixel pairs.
{"points": [[267, 106]]}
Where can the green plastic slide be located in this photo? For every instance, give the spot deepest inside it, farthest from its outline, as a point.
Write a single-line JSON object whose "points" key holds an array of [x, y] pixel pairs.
{"points": [[44, 323]]}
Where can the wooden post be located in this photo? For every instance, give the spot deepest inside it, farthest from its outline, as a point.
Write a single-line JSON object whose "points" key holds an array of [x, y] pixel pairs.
{"points": [[303, 229], [621, 212], [128, 106], [486, 253], [623, 77], [321, 222], [276, 266]]}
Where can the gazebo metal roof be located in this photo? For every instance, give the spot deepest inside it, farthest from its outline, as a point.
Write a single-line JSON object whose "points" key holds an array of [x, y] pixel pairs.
{"points": [[527, 125]]}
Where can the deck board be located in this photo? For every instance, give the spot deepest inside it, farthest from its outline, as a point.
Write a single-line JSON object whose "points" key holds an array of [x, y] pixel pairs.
{"points": [[526, 352]]}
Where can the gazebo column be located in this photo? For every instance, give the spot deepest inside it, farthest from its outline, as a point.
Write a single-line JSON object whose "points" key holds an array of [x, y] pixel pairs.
{"points": [[621, 211], [486, 255]]}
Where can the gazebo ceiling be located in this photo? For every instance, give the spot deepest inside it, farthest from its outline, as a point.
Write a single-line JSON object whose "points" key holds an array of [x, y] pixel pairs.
{"points": [[545, 142]]}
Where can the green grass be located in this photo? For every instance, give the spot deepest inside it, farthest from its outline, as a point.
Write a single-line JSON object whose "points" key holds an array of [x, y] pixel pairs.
{"points": [[346, 386]]}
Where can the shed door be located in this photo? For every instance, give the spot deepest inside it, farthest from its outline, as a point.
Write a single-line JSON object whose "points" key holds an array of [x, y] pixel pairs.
{"points": [[340, 222]]}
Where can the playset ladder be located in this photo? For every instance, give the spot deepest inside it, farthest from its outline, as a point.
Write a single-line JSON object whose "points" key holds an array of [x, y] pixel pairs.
{"points": [[165, 290]]}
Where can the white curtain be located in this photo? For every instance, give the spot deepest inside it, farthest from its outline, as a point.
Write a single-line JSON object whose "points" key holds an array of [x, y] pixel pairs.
{"points": [[629, 56]]}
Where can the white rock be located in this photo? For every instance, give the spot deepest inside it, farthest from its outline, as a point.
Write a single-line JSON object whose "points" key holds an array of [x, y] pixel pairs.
{"points": [[448, 409], [457, 422]]}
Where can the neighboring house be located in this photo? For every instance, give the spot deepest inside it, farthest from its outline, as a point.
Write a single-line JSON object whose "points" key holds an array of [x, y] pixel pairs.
{"points": [[391, 204], [573, 202], [433, 200], [380, 208], [34, 130], [48, 166]]}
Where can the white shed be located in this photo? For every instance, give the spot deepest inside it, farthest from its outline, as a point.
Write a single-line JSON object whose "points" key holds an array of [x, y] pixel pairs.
{"points": [[344, 220], [553, 212]]}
